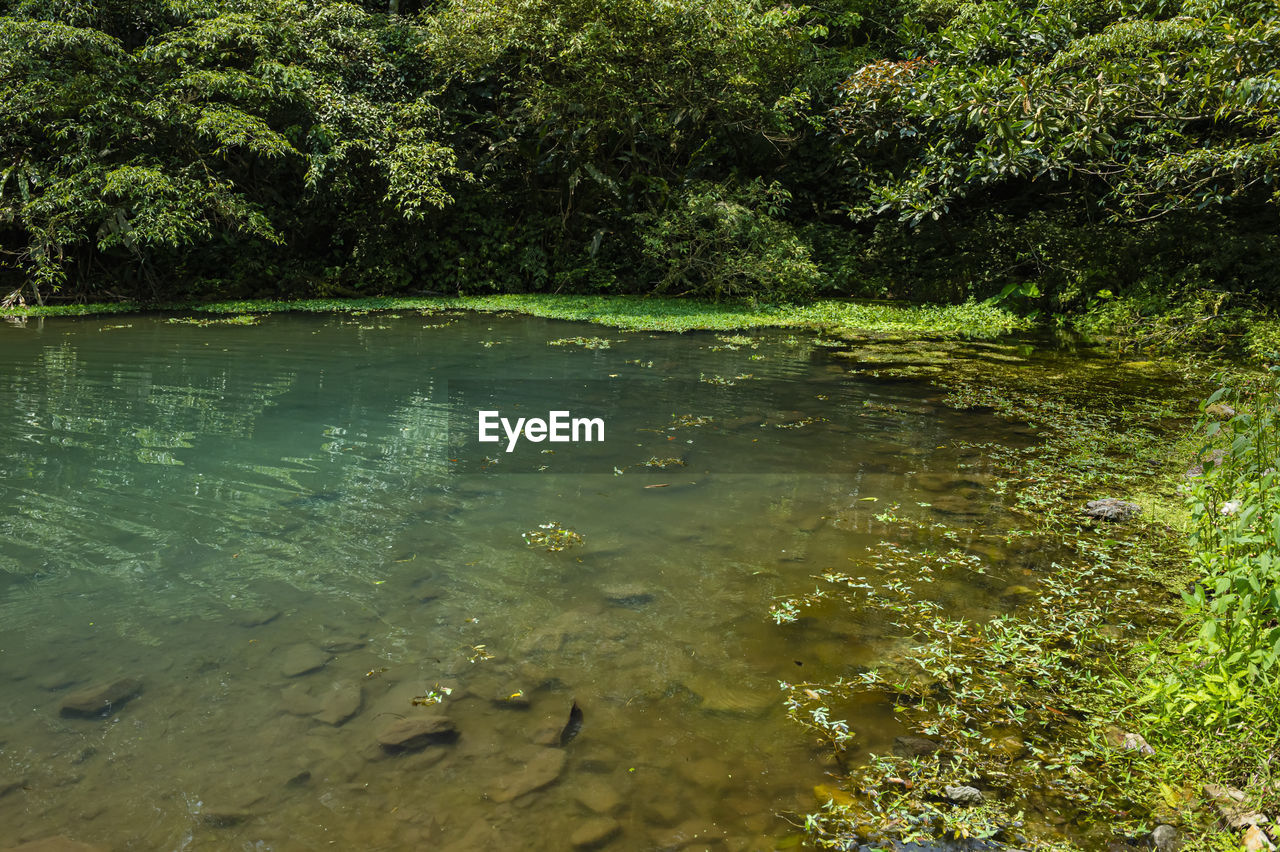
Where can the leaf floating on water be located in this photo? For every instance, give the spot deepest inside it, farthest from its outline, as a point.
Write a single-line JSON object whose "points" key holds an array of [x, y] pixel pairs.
{"points": [[553, 537], [479, 652], [868, 500], [434, 696], [573, 726]]}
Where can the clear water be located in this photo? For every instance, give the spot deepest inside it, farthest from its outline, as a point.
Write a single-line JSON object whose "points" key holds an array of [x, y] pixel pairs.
{"points": [[201, 507]]}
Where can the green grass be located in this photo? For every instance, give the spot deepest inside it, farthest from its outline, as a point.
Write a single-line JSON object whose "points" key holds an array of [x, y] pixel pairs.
{"points": [[630, 312]]}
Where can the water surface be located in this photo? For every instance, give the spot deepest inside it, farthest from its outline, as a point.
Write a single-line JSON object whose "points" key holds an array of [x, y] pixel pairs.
{"points": [[212, 510]]}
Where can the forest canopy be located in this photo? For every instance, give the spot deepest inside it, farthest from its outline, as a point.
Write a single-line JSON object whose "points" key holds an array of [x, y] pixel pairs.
{"points": [[1085, 150]]}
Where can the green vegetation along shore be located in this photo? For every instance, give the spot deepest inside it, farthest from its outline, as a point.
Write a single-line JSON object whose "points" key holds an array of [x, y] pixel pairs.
{"points": [[630, 312]]}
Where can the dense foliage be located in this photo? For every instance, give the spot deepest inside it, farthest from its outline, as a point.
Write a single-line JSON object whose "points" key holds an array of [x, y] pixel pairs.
{"points": [[1116, 154]]}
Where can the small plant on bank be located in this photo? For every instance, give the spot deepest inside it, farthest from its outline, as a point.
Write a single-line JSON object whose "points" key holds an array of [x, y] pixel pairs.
{"points": [[1231, 672]]}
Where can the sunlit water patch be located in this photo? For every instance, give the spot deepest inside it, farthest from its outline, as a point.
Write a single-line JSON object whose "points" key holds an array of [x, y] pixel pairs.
{"points": [[306, 592]]}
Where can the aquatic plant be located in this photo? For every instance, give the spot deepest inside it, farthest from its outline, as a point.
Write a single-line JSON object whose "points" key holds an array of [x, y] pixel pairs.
{"points": [[553, 537]]}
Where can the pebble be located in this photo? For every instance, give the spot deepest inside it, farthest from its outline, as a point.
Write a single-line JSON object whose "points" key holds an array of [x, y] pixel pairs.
{"points": [[101, 699]]}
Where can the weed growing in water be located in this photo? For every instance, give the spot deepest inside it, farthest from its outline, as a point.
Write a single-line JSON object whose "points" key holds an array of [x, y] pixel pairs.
{"points": [[553, 537]]}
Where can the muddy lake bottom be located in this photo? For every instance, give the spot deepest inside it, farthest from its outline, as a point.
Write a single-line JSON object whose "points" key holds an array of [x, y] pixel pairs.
{"points": [[304, 593]]}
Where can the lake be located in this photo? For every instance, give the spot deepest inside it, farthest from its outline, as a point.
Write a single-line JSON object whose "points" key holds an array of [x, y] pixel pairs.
{"points": [[317, 612]]}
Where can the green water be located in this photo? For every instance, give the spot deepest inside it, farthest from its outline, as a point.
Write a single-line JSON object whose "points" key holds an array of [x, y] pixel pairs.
{"points": [[201, 507]]}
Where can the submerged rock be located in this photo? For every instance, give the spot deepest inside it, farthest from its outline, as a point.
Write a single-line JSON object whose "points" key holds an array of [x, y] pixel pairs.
{"points": [[341, 702], [599, 798], [594, 832], [962, 795], [1016, 592], [101, 699], [909, 746], [258, 617], [298, 701], [825, 793], [60, 843], [343, 644], [417, 733], [542, 769], [730, 698], [297, 660], [1111, 509], [224, 817], [629, 596]]}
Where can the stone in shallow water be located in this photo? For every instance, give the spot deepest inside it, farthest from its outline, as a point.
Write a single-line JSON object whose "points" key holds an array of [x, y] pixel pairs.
{"points": [[58, 681], [719, 696], [258, 617], [1110, 509], [101, 699], [297, 660], [298, 701], [628, 596], [341, 702], [910, 746], [417, 733], [55, 844], [594, 833], [599, 798], [224, 817], [343, 644], [962, 795], [540, 770]]}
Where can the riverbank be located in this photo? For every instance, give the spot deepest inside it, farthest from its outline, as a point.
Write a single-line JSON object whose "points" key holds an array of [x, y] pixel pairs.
{"points": [[1094, 713]]}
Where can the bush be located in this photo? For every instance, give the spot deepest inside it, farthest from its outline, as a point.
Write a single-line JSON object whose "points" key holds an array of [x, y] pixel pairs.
{"points": [[722, 241]]}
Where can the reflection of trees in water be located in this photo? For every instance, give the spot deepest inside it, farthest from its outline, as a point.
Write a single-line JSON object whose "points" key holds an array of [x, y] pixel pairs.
{"points": [[179, 483]]}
